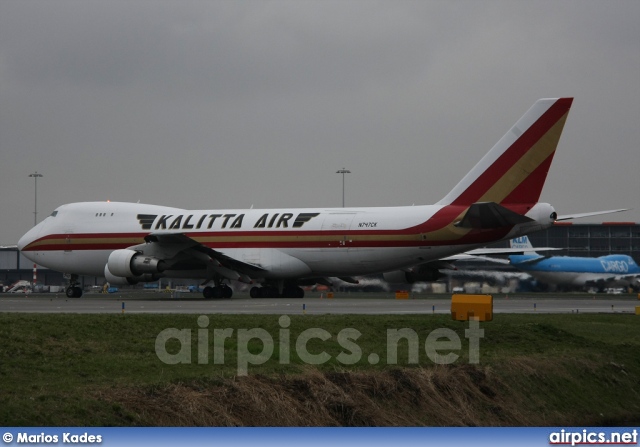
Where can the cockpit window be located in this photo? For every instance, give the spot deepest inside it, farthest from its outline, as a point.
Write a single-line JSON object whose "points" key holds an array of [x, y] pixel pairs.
{"points": [[54, 214]]}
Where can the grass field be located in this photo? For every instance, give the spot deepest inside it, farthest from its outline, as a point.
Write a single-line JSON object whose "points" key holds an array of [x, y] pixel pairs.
{"points": [[103, 370]]}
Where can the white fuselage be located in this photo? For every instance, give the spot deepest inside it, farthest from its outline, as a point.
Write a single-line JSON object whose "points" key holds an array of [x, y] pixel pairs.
{"points": [[285, 243]]}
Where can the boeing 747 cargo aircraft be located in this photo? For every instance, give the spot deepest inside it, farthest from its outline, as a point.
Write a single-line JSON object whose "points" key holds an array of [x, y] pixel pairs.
{"points": [[280, 250]]}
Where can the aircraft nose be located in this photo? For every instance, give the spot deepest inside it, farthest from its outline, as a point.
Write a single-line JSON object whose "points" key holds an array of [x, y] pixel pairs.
{"points": [[29, 237]]}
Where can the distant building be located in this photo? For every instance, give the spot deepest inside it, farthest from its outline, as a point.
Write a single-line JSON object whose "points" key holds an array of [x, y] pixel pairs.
{"points": [[591, 240]]}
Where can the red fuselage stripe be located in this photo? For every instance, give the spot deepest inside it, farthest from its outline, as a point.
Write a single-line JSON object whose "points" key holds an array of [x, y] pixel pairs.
{"points": [[114, 241]]}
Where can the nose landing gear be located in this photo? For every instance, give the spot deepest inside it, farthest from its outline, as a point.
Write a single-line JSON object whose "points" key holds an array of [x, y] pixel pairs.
{"points": [[73, 291]]}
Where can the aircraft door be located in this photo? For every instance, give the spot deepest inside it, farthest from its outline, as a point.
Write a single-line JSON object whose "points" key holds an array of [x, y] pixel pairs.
{"points": [[341, 224]]}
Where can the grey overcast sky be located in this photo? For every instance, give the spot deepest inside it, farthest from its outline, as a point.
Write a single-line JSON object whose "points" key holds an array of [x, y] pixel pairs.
{"points": [[229, 104]]}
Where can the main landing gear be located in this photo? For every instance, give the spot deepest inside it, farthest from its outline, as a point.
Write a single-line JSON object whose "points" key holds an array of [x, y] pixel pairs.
{"points": [[73, 291], [220, 291], [272, 292]]}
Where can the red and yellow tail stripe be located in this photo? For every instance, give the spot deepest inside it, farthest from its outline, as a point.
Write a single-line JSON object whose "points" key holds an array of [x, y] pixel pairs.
{"points": [[519, 173]]}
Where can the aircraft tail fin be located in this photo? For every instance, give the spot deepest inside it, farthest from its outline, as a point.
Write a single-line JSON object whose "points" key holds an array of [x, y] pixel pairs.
{"points": [[515, 169], [523, 243]]}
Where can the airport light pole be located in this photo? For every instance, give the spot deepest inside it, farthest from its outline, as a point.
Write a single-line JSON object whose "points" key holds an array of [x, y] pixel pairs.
{"points": [[343, 171], [35, 176]]}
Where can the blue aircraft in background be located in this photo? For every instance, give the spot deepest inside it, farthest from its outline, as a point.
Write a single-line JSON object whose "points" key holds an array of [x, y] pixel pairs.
{"points": [[571, 271]]}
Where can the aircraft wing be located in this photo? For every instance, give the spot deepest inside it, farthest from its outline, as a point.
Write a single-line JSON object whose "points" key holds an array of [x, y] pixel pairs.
{"points": [[486, 254], [465, 256], [628, 276], [185, 249], [181, 251], [604, 281], [507, 251]]}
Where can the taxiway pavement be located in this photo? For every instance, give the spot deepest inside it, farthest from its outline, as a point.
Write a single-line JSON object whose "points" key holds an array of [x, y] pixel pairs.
{"points": [[97, 303]]}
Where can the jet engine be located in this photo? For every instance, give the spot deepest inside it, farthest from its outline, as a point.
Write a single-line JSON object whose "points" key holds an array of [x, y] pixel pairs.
{"points": [[128, 263], [118, 280], [127, 280]]}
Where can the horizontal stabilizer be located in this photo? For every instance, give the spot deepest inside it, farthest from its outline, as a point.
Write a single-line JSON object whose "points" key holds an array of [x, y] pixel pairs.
{"points": [[595, 213], [488, 215]]}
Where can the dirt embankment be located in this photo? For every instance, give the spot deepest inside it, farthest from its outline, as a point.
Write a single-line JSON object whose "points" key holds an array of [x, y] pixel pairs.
{"points": [[465, 395]]}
